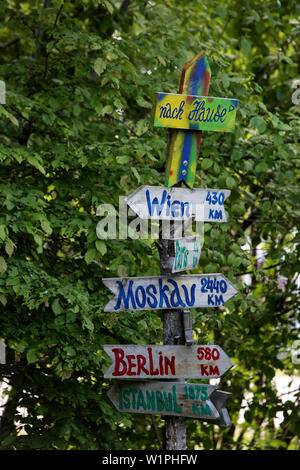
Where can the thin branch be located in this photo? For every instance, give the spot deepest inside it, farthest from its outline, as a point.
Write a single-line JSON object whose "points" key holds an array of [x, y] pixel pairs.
{"points": [[156, 431], [48, 53], [268, 267], [8, 44], [125, 5], [58, 15]]}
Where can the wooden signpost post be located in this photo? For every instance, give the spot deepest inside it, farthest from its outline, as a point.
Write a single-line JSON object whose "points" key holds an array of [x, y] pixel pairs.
{"points": [[185, 114]]}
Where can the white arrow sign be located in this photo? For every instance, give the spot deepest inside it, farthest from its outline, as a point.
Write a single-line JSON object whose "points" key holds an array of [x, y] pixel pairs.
{"points": [[167, 292], [160, 203], [167, 361]]}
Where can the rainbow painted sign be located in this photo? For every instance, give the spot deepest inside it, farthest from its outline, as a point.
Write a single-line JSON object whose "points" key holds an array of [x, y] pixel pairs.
{"points": [[184, 145], [194, 113]]}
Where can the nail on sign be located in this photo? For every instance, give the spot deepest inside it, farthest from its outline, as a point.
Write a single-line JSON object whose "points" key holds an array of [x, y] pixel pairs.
{"points": [[169, 398], [159, 203], [164, 292], [167, 361]]}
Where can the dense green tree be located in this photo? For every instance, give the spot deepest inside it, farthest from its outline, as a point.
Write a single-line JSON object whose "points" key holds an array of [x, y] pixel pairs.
{"points": [[76, 132]]}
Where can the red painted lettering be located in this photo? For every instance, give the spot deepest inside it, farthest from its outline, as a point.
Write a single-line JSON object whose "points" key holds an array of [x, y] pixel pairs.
{"points": [[152, 371], [170, 363], [214, 370], [161, 367], [204, 370], [131, 365], [141, 361], [119, 356]]}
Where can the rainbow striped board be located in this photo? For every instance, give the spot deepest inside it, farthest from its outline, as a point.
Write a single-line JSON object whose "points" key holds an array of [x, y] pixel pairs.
{"points": [[183, 145], [184, 133]]}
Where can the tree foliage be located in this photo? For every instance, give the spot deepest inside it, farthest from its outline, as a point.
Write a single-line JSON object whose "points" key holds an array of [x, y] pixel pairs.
{"points": [[76, 132]]}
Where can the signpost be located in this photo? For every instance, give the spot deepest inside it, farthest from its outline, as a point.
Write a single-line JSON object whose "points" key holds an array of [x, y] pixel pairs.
{"points": [[166, 361], [186, 114], [168, 292], [168, 398], [159, 203]]}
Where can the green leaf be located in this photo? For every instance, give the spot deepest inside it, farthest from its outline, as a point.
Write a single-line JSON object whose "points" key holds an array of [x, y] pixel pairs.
{"points": [[87, 323], [56, 307], [109, 6], [9, 247], [101, 247], [3, 265], [211, 268], [34, 162], [206, 163], [141, 127], [99, 66], [225, 80], [31, 356], [121, 159], [259, 123], [236, 155], [230, 182], [90, 255], [2, 232], [232, 259], [136, 174], [221, 11], [245, 46], [261, 167], [45, 224], [238, 209]]}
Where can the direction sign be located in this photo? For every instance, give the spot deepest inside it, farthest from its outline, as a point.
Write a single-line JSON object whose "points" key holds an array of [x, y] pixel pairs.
{"points": [[160, 203], [183, 145], [167, 292], [187, 254], [165, 398], [169, 398], [167, 361], [194, 112]]}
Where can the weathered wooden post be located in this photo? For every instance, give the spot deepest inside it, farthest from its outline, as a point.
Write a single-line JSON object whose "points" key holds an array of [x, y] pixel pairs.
{"points": [[177, 359], [182, 151]]}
